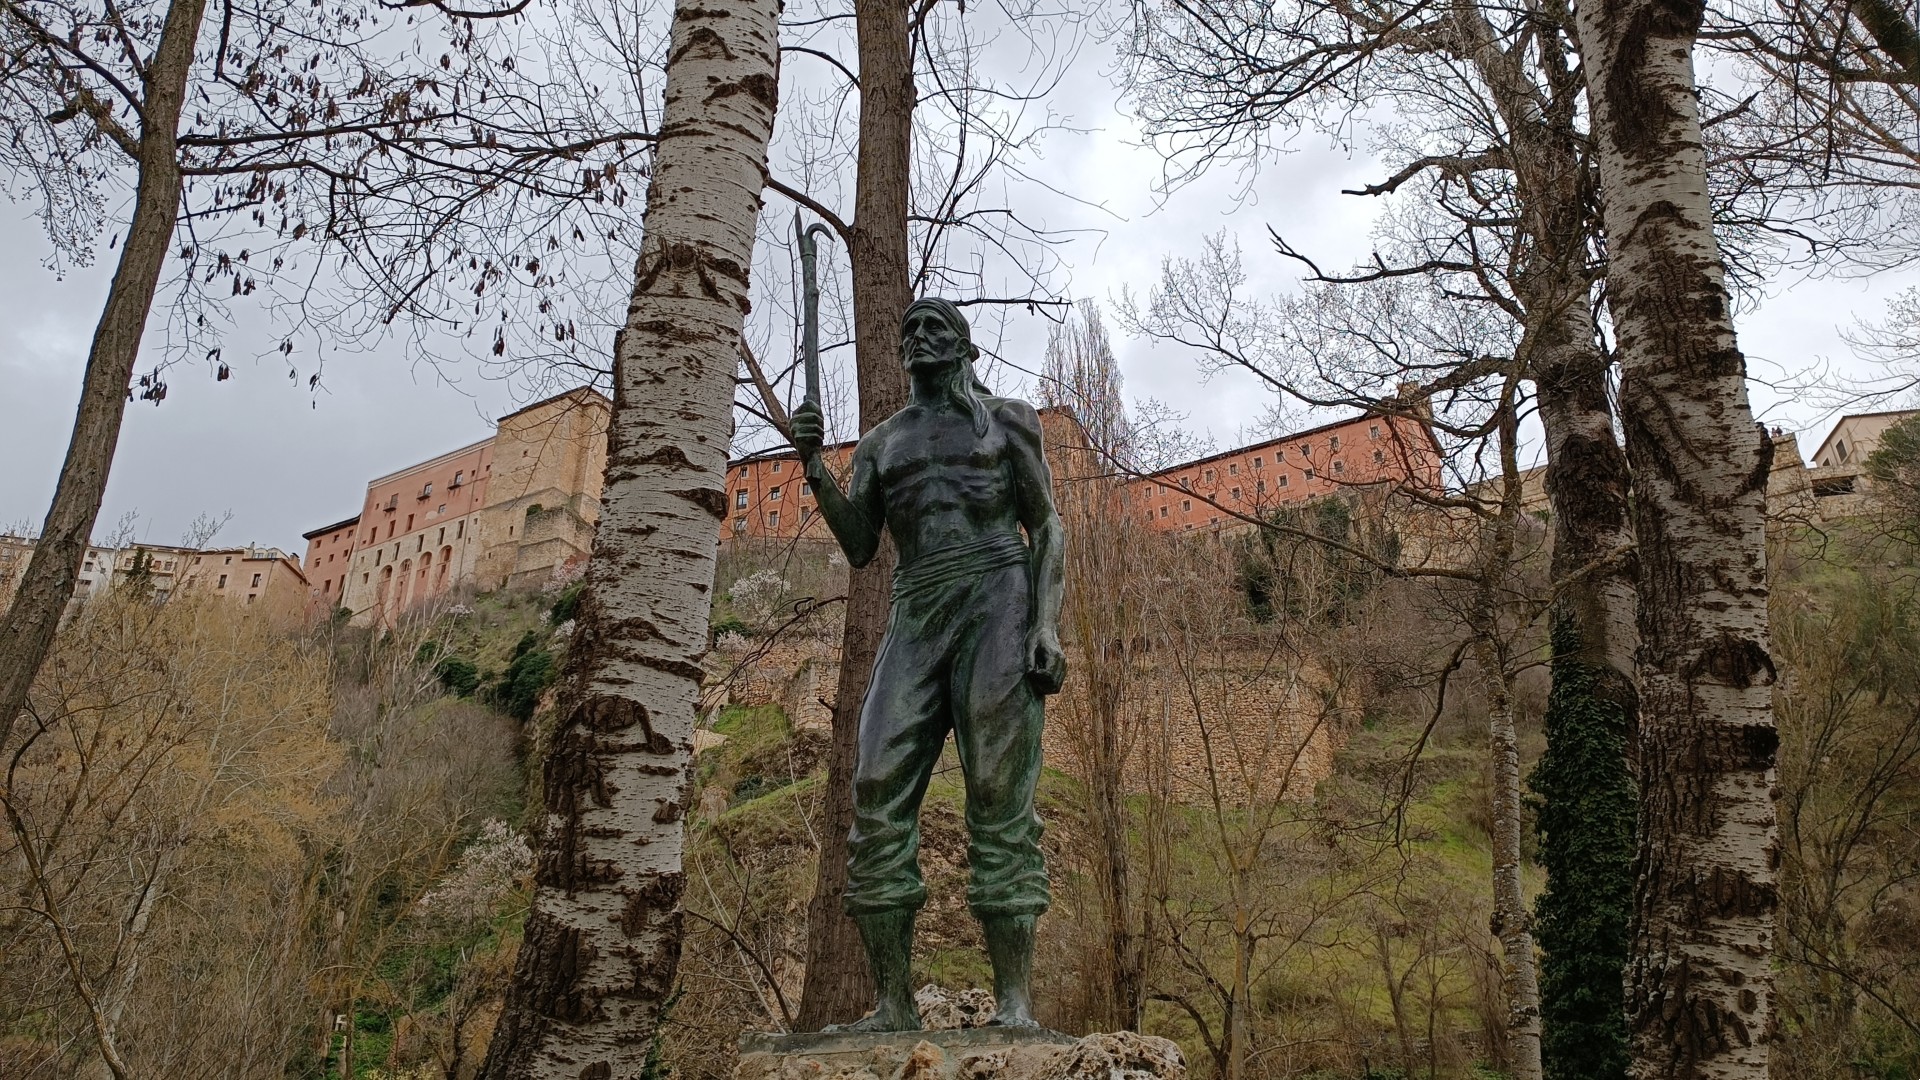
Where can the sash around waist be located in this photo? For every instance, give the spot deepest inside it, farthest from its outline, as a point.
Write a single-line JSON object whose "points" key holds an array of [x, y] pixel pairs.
{"points": [[950, 564]]}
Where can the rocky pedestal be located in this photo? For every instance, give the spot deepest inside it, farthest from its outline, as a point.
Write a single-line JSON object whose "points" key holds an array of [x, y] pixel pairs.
{"points": [[955, 1048]]}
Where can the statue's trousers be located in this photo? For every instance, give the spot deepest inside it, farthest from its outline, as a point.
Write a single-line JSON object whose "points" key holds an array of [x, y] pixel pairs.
{"points": [[954, 658]]}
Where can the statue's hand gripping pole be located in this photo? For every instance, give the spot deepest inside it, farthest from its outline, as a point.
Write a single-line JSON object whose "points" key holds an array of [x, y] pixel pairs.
{"points": [[809, 305]]}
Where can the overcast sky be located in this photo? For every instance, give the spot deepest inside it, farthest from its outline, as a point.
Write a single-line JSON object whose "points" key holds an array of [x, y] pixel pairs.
{"points": [[284, 461]]}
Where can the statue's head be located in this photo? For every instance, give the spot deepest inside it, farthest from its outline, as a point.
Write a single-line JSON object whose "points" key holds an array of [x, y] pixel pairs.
{"points": [[934, 333], [935, 336]]}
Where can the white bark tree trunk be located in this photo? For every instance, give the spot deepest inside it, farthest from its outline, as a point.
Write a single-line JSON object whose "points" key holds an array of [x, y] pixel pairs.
{"points": [[1699, 982], [602, 942]]}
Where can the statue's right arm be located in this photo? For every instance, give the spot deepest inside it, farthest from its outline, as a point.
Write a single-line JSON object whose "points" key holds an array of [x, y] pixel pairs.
{"points": [[855, 516]]}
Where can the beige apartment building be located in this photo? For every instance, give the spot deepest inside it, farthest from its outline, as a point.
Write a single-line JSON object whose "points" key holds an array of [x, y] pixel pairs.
{"points": [[266, 580], [510, 509], [263, 579]]}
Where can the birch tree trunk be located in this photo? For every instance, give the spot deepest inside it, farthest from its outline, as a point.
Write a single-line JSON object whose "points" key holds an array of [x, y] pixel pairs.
{"points": [[1699, 981], [602, 943], [837, 987], [26, 633], [1584, 778]]}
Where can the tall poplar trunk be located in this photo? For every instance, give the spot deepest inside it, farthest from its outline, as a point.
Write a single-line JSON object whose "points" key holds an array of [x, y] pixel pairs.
{"points": [[1584, 777], [1519, 971], [602, 942], [26, 633], [1699, 981], [837, 986]]}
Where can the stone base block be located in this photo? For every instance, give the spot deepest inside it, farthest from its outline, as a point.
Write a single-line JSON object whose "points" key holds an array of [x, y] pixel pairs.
{"points": [[978, 1053]]}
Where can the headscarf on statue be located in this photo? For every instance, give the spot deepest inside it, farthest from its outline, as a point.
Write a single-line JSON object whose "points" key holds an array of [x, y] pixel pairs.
{"points": [[965, 388]]}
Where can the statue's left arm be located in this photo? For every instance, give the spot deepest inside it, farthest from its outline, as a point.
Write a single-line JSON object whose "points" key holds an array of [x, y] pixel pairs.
{"points": [[1033, 487]]}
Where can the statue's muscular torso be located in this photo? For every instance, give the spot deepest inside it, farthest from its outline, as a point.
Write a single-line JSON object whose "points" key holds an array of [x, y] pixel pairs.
{"points": [[941, 485]]}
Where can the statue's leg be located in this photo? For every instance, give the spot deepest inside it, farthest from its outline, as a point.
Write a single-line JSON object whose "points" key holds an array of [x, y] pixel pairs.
{"points": [[997, 718], [903, 724]]}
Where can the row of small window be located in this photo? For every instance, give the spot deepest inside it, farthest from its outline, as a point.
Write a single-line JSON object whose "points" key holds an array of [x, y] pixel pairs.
{"points": [[1208, 476], [773, 495], [223, 582], [420, 542], [773, 519]]}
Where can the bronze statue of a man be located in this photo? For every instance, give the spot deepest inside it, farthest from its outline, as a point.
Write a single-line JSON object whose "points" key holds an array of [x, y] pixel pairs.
{"points": [[972, 646]]}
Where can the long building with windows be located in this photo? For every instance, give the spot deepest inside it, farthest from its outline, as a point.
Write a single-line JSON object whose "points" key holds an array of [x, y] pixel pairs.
{"points": [[768, 497], [511, 509]]}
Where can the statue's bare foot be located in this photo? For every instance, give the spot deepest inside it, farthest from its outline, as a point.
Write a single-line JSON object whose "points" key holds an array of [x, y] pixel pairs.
{"points": [[883, 1018]]}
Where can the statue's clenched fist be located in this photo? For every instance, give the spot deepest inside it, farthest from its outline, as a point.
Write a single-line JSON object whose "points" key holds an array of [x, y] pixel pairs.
{"points": [[809, 430]]}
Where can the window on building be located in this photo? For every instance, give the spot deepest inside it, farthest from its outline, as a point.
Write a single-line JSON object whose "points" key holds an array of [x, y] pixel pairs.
{"points": [[427, 492], [1233, 469], [1260, 486], [1306, 448], [390, 526], [1373, 431], [1163, 511], [458, 479], [250, 597], [196, 560], [1334, 443], [1186, 483], [326, 586], [1309, 474], [459, 529], [739, 500], [377, 552], [1379, 458], [1209, 476], [1339, 467], [806, 514], [1213, 521], [1236, 493], [773, 494], [420, 542], [441, 510], [229, 561], [223, 582], [1256, 463], [509, 531], [773, 519], [776, 466], [364, 578], [739, 525], [1283, 479], [1186, 506], [256, 581], [442, 538], [409, 522]]}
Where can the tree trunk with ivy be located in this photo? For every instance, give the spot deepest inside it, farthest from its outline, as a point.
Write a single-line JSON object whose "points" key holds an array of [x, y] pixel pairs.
{"points": [[602, 943], [1584, 777], [1700, 974]]}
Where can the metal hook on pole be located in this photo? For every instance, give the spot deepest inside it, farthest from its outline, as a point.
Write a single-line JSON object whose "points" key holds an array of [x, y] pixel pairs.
{"points": [[809, 304]]}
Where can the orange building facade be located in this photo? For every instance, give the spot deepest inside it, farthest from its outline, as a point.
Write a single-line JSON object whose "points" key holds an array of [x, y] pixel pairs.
{"points": [[510, 509], [767, 495], [1222, 490]]}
